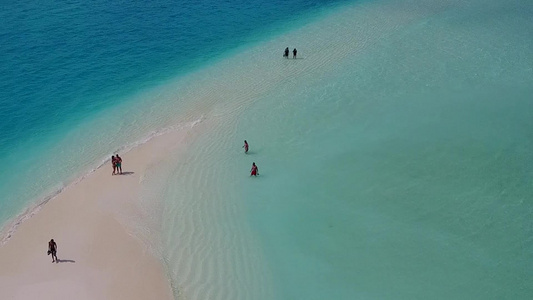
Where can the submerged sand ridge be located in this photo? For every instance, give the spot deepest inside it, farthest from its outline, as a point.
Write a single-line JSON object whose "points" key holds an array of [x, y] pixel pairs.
{"points": [[98, 257]]}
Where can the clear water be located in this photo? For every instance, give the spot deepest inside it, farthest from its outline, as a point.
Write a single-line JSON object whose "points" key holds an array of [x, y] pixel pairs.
{"points": [[394, 157], [79, 68]]}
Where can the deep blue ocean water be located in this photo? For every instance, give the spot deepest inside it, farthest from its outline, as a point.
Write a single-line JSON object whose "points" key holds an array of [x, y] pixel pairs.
{"points": [[63, 62]]}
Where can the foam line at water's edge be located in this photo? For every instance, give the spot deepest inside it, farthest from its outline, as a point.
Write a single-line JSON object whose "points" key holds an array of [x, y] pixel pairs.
{"points": [[10, 227]]}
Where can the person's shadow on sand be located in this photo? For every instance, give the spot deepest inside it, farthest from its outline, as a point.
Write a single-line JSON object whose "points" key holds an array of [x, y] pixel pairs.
{"points": [[65, 261], [127, 173]]}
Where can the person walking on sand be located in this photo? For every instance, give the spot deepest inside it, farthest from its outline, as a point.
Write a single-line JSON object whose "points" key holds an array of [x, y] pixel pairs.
{"points": [[254, 171], [286, 53], [119, 164], [294, 53], [245, 146], [114, 163], [52, 249]]}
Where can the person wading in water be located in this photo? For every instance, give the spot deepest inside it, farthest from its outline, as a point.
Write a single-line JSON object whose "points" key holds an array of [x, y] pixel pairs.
{"points": [[254, 171], [245, 146]]}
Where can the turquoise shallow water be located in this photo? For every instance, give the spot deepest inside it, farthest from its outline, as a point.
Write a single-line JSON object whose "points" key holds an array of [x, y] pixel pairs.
{"points": [[404, 173], [394, 158], [67, 66]]}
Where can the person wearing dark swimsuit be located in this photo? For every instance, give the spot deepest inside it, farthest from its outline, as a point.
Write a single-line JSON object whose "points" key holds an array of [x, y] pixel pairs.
{"points": [[52, 249], [114, 163], [286, 53], [294, 53]]}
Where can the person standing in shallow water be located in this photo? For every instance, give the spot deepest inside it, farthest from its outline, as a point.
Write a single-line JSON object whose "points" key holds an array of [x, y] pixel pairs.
{"points": [[286, 53], [245, 146], [254, 171], [294, 53], [52, 249]]}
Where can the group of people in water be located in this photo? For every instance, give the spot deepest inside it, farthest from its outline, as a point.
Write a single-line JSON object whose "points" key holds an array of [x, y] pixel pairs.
{"points": [[116, 161], [255, 170], [286, 53]]}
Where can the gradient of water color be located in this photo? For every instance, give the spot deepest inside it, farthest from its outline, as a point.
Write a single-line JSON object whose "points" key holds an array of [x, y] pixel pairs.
{"points": [[394, 158], [67, 66]]}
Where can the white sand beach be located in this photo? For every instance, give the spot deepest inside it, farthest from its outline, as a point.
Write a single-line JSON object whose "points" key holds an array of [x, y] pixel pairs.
{"points": [[98, 258]]}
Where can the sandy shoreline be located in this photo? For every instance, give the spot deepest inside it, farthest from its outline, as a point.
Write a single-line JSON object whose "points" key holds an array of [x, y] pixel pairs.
{"points": [[99, 259]]}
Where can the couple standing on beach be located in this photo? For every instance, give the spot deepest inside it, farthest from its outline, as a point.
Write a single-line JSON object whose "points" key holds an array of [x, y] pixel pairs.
{"points": [[286, 53], [117, 164]]}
